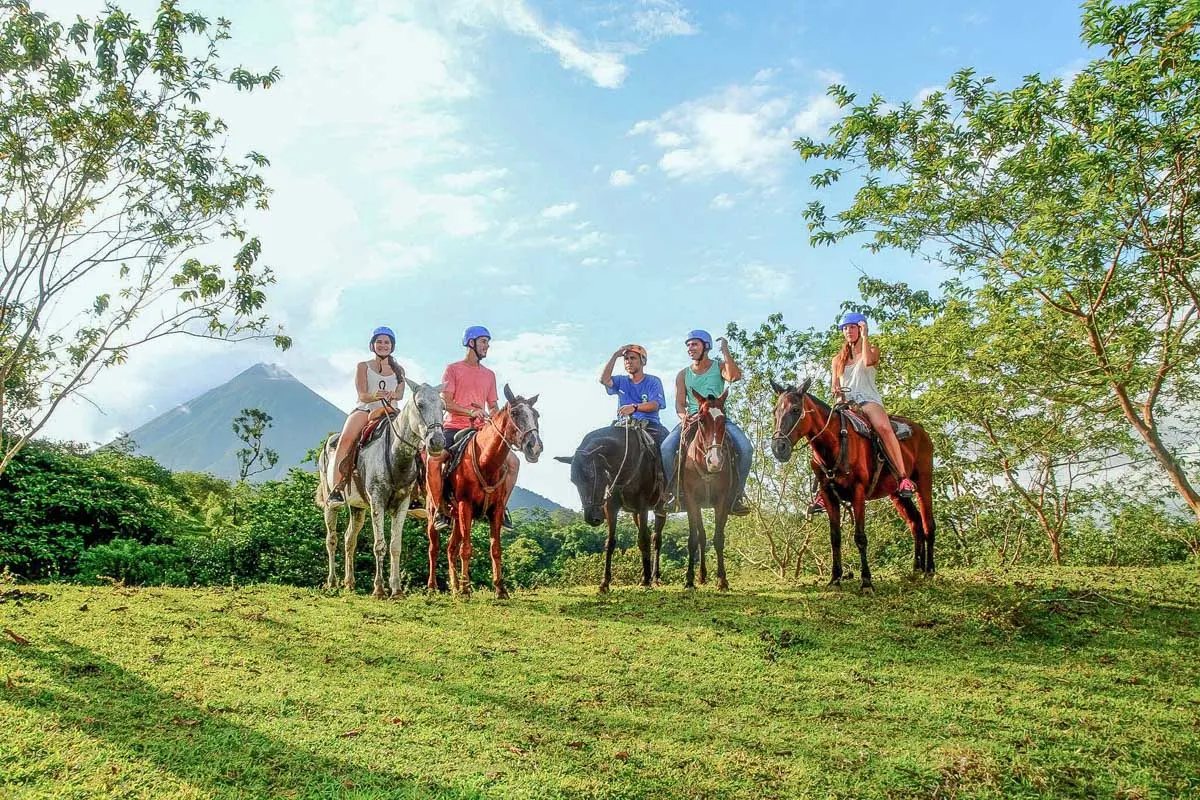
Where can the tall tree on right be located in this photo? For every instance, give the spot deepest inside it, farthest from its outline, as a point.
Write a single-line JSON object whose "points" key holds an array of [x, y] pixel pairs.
{"points": [[1076, 200]]}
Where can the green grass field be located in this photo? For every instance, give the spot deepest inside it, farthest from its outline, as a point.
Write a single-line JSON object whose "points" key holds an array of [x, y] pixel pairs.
{"points": [[1064, 683]]}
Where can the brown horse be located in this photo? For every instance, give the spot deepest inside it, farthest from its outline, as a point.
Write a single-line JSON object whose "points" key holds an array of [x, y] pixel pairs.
{"points": [[480, 486], [707, 479], [849, 471]]}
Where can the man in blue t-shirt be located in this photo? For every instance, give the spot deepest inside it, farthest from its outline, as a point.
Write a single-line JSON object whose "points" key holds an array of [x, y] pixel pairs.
{"points": [[638, 395]]}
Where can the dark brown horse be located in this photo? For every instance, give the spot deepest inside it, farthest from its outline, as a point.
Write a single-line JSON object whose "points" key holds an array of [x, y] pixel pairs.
{"points": [[707, 479], [619, 467], [849, 471], [480, 486]]}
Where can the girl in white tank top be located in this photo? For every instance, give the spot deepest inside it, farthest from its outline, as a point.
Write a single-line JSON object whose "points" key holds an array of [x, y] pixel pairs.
{"points": [[378, 380]]}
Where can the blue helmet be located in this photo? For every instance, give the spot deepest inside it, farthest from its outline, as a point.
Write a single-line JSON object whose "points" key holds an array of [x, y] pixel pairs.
{"points": [[383, 330], [701, 335], [851, 318], [474, 332]]}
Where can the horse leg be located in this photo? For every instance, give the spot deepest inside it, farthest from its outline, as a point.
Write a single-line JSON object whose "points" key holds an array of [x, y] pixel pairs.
{"points": [[720, 515], [924, 483], [453, 545], [610, 542], [357, 517], [380, 546], [643, 524], [465, 519], [659, 521], [694, 524], [396, 544], [494, 550], [833, 508], [908, 513], [331, 538], [434, 544], [859, 510]]}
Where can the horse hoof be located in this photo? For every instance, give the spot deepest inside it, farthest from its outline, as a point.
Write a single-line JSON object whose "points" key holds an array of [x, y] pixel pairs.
{"points": [[722, 585], [379, 594], [868, 589], [604, 588], [835, 582], [502, 593]]}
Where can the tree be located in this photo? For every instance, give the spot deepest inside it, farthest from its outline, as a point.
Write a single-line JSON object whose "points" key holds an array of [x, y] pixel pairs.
{"points": [[250, 426], [113, 177], [1071, 201]]}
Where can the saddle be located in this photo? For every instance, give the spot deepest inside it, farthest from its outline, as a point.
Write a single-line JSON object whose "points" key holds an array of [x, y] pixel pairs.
{"points": [[640, 427], [863, 428]]}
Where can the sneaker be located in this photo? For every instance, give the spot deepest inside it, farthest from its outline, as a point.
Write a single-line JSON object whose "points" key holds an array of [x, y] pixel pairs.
{"points": [[906, 488], [739, 507], [336, 498], [506, 523], [442, 523], [817, 506]]}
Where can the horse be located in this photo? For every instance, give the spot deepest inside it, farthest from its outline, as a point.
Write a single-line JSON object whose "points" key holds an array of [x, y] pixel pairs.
{"points": [[614, 471], [383, 481], [849, 471], [480, 484], [707, 479]]}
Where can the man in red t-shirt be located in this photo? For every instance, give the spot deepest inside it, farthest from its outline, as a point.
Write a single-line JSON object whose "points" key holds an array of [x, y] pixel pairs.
{"points": [[468, 388]]}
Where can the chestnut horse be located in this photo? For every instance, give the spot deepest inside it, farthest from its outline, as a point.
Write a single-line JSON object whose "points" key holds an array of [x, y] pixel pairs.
{"points": [[849, 471], [707, 479], [480, 486]]}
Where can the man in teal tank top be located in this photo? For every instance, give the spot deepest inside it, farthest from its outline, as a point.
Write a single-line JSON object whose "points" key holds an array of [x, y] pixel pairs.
{"points": [[708, 376]]}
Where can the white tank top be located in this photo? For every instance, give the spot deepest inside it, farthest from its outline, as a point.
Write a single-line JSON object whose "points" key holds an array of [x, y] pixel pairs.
{"points": [[859, 381], [375, 382]]}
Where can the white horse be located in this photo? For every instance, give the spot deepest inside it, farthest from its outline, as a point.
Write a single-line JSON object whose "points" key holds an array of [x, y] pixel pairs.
{"points": [[383, 481]]}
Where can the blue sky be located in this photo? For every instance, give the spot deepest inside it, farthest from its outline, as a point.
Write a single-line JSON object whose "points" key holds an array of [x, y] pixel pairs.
{"points": [[573, 175]]}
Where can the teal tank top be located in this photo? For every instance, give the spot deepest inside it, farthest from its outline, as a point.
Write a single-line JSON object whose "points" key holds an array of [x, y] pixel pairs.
{"points": [[710, 382]]}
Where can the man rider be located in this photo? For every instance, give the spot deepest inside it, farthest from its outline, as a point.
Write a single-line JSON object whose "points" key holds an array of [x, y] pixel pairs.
{"points": [[469, 391], [639, 394], [708, 376]]}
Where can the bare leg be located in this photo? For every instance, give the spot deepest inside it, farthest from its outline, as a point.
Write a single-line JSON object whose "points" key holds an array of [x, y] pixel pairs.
{"points": [[883, 427], [351, 430]]}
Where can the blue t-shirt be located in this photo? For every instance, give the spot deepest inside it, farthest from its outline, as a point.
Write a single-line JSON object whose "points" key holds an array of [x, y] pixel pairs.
{"points": [[628, 392]]}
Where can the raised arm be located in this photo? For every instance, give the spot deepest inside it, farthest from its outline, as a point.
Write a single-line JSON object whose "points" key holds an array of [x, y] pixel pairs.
{"points": [[730, 370], [606, 375]]}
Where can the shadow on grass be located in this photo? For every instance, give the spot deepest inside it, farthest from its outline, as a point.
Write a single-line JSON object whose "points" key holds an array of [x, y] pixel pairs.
{"points": [[114, 706]]}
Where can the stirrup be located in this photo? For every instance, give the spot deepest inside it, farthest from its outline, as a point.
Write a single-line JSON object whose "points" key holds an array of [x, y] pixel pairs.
{"points": [[335, 498], [738, 507], [817, 506]]}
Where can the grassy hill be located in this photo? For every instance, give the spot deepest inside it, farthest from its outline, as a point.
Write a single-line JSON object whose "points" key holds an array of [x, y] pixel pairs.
{"points": [[1063, 683]]}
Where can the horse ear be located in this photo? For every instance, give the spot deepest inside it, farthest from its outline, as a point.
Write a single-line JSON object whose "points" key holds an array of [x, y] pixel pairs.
{"points": [[778, 389], [532, 400], [721, 399], [564, 459], [441, 387], [508, 395], [412, 385], [696, 395], [804, 387]]}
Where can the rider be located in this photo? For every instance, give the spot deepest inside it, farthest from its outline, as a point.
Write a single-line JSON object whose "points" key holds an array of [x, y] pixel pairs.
{"points": [[469, 390], [708, 376], [854, 379], [639, 395], [377, 380]]}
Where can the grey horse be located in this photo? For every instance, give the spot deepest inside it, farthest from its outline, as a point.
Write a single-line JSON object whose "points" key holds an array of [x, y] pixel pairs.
{"points": [[384, 479]]}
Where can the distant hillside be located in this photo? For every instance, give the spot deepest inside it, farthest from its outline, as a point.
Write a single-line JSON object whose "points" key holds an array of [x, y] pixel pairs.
{"points": [[197, 436]]}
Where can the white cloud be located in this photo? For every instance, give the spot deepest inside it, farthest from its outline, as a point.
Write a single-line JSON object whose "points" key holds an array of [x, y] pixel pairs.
{"points": [[518, 290], [621, 178], [588, 241], [473, 179], [746, 131], [765, 75], [593, 261], [763, 282], [559, 211], [722, 201], [603, 66], [657, 19]]}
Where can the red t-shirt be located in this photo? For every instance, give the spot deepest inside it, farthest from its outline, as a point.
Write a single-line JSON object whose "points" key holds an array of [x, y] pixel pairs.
{"points": [[468, 385]]}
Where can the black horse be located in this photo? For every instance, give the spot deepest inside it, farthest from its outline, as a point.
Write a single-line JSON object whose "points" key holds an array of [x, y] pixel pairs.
{"points": [[619, 468]]}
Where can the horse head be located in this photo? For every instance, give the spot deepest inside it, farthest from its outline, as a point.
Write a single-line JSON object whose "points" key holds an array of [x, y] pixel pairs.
{"points": [[710, 438], [427, 410], [520, 427], [790, 414], [589, 473]]}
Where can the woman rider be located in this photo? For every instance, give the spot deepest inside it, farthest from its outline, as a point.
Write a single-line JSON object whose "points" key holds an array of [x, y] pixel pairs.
{"points": [[854, 379], [379, 379]]}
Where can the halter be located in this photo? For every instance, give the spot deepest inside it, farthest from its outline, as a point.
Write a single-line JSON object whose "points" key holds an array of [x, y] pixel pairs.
{"points": [[705, 449]]}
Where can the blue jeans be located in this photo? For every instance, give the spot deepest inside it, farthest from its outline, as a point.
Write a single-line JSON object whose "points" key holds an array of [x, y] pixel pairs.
{"points": [[742, 448]]}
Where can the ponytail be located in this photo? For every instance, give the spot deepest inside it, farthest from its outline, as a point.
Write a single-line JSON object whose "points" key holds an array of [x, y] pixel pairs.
{"points": [[398, 371]]}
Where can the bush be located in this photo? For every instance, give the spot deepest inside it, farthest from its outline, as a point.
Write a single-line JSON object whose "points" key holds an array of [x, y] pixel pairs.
{"points": [[134, 563]]}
